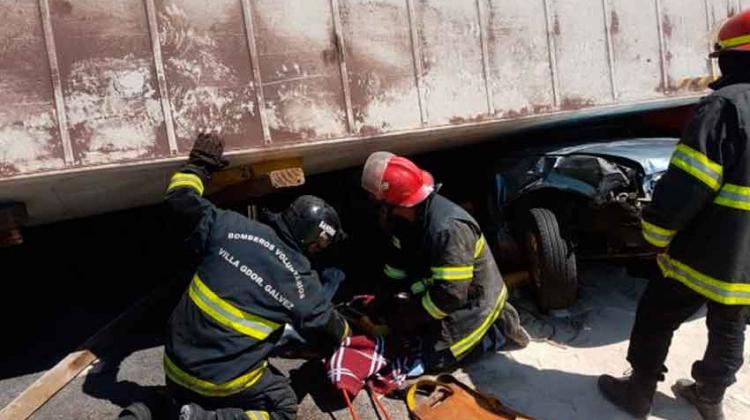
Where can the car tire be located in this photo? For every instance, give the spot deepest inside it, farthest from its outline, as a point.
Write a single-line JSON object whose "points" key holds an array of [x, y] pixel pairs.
{"points": [[552, 263]]}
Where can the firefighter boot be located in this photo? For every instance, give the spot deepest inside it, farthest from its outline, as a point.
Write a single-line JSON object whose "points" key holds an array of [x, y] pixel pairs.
{"points": [[136, 411], [706, 398], [193, 411], [510, 324], [632, 394]]}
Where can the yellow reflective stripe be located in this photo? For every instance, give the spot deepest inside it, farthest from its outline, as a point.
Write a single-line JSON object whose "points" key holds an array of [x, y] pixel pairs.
{"points": [[735, 196], [656, 235], [735, 42], [396, 242], [181, 179], [393, 272], [712, 288], [210, 389], [698, 165], [467, 343], [431, 308], [227, 315], [479, 247], [257, 415], [463, 272]]}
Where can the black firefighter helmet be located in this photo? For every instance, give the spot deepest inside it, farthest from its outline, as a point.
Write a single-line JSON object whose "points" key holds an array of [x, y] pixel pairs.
{"points": [[313, 221]]}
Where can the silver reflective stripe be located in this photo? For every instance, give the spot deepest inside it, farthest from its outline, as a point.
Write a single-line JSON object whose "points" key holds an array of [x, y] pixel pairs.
{"points": [[735, 196], [698, 165], [658, 236], [710, 287], [226, 317]]}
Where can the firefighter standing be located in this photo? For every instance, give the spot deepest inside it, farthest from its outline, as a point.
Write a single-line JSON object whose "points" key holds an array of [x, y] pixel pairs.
{"points": [[252, 279], [700, 215], [439, 259]]}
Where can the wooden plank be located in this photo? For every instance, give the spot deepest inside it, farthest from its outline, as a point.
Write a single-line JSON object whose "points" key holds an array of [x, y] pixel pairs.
{"points": [[56, 378], [48, 385]]}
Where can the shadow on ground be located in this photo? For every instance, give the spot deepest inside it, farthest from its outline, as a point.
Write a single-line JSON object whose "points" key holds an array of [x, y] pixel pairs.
{"points": [[607, 297], [554, 394]]}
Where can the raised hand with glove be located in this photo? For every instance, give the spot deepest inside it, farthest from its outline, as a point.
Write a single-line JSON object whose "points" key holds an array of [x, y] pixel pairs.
{"points": [[206, 157]]}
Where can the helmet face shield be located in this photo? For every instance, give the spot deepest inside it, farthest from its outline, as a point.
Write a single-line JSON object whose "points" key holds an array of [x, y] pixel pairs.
{"points": [[372, 174], [396, 180]]}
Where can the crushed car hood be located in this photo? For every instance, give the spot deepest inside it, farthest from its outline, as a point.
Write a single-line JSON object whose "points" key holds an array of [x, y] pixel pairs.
{"points": [[652, 154], [590, 169]]}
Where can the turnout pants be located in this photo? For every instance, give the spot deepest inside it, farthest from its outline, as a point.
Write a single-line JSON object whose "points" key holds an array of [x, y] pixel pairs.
{"points": [[271, 398], [664, 306]]}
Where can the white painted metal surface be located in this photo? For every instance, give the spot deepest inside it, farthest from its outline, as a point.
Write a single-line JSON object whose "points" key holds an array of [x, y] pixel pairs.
{"points": [[93, 88]]}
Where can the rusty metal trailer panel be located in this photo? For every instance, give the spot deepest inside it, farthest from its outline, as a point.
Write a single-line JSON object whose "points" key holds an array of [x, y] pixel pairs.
{"points": [[101, 98]]}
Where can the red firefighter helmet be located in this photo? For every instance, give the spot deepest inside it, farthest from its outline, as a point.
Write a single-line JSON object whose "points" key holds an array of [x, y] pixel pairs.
{"points": [[396, 180], [734, 34]]}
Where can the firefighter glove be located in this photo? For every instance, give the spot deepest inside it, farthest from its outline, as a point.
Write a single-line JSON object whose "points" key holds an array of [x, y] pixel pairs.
{"points": [[207, 153]]}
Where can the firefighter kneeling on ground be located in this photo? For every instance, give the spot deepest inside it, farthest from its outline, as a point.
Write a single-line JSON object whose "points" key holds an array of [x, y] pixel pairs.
{"points": [[251, 281], [700, 216], [440, 283]]}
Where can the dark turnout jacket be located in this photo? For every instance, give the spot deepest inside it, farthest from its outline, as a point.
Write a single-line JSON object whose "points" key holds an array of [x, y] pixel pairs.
{"points": [[443, 262], [252, 280], [701, 207]]}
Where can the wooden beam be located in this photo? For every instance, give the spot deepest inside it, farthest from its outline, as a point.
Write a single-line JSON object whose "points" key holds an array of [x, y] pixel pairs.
{"points": [[55, 379]]}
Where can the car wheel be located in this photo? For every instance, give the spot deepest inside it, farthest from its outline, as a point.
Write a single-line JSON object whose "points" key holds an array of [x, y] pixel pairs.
{"points": [[552, 262]]}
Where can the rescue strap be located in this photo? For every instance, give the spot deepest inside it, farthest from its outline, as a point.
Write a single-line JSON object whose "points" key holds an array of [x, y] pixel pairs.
{"points": [[209, 389], [717, 290], [228, 315], [734, 196], [467, 343], [352, 411], [698, 165], [379, 408], [656, 235], [734, 42], [184, 179]]}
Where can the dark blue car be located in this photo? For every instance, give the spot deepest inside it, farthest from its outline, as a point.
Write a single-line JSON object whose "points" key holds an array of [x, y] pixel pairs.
{"points": [[557, 205]]}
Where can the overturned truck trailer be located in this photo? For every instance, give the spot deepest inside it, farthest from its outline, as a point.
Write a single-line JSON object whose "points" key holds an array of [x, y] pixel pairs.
{"points": [[100, 99]]}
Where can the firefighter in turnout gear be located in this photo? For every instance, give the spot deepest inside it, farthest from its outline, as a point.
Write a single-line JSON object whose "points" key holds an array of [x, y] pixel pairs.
{"points": [[252, 279], [700, 217], [451, 291]]}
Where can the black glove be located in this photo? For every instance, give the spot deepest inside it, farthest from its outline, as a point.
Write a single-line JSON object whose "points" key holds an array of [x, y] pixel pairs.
{"points": [[206, 156]]}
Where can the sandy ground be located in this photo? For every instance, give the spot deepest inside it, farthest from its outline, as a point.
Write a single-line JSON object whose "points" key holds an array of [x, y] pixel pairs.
{"points": [[554, 378]]}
